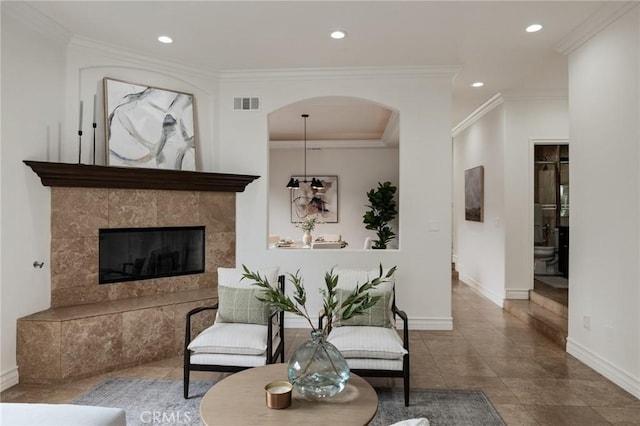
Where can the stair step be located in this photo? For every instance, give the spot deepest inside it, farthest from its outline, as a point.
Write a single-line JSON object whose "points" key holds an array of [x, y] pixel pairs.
{"points": [[552, 305], [552, 325]]}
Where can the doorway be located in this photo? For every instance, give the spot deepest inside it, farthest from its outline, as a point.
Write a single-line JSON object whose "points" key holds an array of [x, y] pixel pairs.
{"points": [[551, 214]]}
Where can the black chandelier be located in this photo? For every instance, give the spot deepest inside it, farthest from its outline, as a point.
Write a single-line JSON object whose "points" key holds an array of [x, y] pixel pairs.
{"points": [[295, 183]]}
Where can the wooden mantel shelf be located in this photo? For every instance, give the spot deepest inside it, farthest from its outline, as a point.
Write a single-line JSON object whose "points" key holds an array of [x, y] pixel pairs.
{"points": [[89, 176]]}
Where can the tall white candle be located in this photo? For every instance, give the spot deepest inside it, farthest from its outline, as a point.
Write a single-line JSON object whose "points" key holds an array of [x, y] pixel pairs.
{"points": [[95, 107], [80, 126]]}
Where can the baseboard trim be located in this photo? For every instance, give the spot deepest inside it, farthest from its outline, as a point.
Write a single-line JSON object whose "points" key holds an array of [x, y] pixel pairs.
{"points": [[9, 378], [481, 290], [620, 377], [520, 294], [421, 323]]}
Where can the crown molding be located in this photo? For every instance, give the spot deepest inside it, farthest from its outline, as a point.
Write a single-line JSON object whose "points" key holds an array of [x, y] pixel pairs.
{"points": [[137, 58], [28, 16], [536, 95], [330, 144], [476, 115], [339, 73], [602, 18]]}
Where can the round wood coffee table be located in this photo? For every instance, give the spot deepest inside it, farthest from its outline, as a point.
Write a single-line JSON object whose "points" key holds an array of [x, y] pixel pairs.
{"points": [[240, 400]]}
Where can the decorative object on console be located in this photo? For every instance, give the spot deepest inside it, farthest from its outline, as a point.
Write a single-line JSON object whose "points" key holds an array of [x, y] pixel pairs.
{"points": [[149, 127], [474, 194], [94, 125], [383, 210], [308, 224], [317, 369], [80, 136]]}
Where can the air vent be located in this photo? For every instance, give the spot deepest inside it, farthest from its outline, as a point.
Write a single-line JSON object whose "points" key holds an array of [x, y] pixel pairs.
{"points": [[246, 104]]}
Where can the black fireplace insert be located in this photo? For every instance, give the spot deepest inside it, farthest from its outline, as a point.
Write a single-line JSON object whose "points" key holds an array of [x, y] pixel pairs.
{"points": [[128, 254]]}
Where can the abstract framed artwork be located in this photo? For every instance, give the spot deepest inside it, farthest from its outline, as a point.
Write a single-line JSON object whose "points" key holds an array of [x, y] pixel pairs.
{"points": [[322, 202], [474, 194], [149, 127]]}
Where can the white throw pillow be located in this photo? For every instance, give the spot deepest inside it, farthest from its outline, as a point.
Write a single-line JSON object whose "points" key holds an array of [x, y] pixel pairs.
{"points": [[348, 278], [232, 277]]}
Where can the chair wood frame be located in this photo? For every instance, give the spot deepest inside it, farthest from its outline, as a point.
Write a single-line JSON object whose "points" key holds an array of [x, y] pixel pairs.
{"points": [[271, 353], [405, 372]]}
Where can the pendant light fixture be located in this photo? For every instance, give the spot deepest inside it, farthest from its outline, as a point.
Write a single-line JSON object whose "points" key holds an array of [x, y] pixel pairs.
{"points": [[295, 183]]}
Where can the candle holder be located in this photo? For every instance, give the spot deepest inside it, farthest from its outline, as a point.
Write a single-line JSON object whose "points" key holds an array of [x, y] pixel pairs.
{"points": [[79, 146], [278, 394], [94, 143]]}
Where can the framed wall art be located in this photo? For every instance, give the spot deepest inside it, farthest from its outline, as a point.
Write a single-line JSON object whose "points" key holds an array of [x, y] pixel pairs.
{"points": [[474, 194], [149, 127], [322, 202]]}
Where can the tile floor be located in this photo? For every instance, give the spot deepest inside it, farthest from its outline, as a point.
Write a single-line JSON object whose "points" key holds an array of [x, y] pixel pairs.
{"points": [[528, 379]]}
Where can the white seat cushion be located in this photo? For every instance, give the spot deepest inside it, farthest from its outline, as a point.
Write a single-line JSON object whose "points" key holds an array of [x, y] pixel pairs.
{"points": [[231, 338], [227, 359], [367, 342], [375, 364]]}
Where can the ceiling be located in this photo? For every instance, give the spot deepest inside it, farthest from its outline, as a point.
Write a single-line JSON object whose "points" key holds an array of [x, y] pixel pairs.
{"points": [[486, 40]]}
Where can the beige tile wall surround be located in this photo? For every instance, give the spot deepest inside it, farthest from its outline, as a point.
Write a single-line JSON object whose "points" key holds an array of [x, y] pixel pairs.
{"points": [[92, 328], [77, 214]]}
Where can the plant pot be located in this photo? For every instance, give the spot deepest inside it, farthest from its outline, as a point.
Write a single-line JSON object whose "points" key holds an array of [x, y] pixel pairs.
{"points": [[317, 369]]}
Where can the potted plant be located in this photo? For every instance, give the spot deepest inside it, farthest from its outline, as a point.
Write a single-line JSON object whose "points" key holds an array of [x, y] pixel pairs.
{"points": [[383, 210], [317, 369]]}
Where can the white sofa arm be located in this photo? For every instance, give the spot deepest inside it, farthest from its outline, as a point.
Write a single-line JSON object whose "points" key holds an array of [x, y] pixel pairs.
{"points": [[22, 414]]}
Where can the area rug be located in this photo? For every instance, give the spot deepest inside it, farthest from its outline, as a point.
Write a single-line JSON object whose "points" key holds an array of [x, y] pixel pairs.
{"points": [[553, 280], [154, 401]]}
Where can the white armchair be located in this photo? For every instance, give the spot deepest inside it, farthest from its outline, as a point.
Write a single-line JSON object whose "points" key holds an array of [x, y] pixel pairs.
{"points": [[370, 342], [246, 332]]}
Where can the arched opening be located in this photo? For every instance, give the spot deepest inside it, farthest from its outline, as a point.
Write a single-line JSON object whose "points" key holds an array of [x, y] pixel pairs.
{"points": [[351, 145]]}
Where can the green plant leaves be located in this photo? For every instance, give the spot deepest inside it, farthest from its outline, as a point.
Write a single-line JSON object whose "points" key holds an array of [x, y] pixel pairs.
{"points": [[357, 302], [383, 210]]}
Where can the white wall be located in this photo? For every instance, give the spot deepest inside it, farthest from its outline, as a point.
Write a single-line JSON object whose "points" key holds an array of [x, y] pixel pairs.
{"points": [[479, 246], [604, 88], [89, 61], [423, 100], [42, 84], [526, 120], [496, 257], [33, 97], [358, 171]]}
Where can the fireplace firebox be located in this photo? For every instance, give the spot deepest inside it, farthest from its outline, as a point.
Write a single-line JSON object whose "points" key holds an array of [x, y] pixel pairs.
{"points": [[132, 254]]}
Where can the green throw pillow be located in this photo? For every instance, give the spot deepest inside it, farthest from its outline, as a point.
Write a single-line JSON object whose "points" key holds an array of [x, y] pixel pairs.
{"points": [[241, 305], [379, 315]]}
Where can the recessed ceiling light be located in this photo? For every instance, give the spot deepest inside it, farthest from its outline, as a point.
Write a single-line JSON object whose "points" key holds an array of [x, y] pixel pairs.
{"points": [[477, 84], [165, 39], [338, 34], [533, 28]]}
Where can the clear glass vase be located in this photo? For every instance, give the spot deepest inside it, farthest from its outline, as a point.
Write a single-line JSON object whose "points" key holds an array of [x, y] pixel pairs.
{"points": [[317, 369]]}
